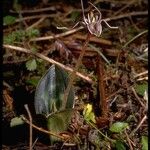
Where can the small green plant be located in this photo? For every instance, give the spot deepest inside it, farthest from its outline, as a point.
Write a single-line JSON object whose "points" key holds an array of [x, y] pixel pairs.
{"points": [[141, 88], [20, 36], [16, 121], [49, 100], [9, 20], [89, 114], [119, 144], [144, 142], [74, 15], [31, 64], [118, 127]]}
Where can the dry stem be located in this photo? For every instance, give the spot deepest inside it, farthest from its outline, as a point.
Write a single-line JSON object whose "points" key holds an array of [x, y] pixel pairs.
{"points": [[30, 123], [57, 36], [73, 75], [139, 125], [129, 141], [41, 129], [48, 60]]}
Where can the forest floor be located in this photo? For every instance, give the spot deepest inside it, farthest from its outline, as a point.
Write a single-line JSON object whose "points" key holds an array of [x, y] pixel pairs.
{"points": [[110, 80]]}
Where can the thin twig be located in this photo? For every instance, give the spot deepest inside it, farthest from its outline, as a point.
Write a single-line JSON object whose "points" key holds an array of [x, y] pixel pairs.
{"points": [[137, 97], [109, 139], [41, 129], [36, 23], [35, 11], [123, 8], [141, 74], [139, 125], [94, 39], [30, 123], [141, 79], [139, 13], [35, 17], [100, 53], [73, 75], [129, 141], [134, 38], [34, 142], [48, 60], [58, 35]]}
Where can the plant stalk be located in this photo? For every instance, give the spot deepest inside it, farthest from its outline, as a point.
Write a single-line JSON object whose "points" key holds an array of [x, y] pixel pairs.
{"points": [[73, 74]]}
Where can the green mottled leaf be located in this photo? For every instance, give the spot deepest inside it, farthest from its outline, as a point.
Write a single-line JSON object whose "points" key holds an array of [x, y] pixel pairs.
{"points": [[31, 65], [58, 122], [118, 127], [144, 142], [49, 93], [16, 121], [119, 145], [8, 20], [141, 88]]}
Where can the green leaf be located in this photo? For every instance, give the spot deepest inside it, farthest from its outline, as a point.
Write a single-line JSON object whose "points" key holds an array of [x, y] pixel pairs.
{"points": [[33, 81], [88, 113], [74, 15], [31, 65], [49, 93], [141, 88], [118, 127], [58, 122], [8, 20], [144, 142], [15, 36], [119, 145], [20, 35], [16, 121], [32, 33]]}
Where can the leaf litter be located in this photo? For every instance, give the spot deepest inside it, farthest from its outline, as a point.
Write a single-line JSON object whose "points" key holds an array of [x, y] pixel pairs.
{"points": [[125, 78]]}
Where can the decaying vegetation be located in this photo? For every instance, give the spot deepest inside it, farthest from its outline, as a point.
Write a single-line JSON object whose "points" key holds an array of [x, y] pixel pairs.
{"points": [[75, 75]]}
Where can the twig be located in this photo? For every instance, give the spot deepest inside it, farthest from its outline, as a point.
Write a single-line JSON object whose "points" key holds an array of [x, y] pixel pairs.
{"points": [[113, 94], [34, 11], [34, 142], [135, 94], [8, 86], [109, 139], [100, 53], [36, 23], [58, 35], [41, 129], [128, 139], [48, 60], [139, 13], [94, 39], [73, 75], [30, 123], [139, 125], [112, 1], [130, 41], [35, 17], [141, 74], [141, 79], [121, 10]]}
